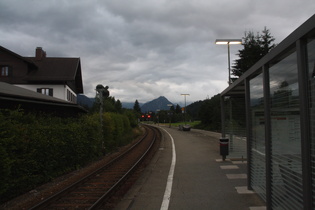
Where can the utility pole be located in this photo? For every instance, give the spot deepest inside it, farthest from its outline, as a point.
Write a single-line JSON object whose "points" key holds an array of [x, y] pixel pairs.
{"points": [[185, 94]]}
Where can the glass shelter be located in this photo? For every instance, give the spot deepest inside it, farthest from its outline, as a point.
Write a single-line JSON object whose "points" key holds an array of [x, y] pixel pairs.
{"points": [[276, 97]]}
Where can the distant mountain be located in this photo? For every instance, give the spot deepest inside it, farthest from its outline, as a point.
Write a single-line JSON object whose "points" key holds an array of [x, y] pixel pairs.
{"points": [[84, 101], [129, 105], [157, 104]]}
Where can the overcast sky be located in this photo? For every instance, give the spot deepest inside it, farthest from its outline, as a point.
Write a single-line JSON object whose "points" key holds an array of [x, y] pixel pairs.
{"points": [[143, 49]]}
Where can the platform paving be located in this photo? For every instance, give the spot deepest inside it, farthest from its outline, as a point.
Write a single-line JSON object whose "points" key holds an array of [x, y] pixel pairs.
{"points": [[201, 179]]}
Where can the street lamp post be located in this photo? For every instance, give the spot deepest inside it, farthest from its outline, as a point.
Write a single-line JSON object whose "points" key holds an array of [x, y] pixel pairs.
{"points": [[185, 94], [224, 142], [228, 42]]}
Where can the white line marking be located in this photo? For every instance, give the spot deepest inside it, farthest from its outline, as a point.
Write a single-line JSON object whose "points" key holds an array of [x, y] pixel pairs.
{"points": [[244, 190], [229, 167], [168, 189]]}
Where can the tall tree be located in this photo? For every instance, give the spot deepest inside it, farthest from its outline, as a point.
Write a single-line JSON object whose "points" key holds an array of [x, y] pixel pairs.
{"points": [[178, 109], [255, 47], [136, 107], [109, 104], [118, 106], [267, 41], [210, 113]]}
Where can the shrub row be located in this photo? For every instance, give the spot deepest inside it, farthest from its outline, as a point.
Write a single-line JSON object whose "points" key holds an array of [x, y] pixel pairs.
{"points": [[35, 149]]}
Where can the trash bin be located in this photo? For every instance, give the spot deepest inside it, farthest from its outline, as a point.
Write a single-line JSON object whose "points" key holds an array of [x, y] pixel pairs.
{"points": [[224, 147]]}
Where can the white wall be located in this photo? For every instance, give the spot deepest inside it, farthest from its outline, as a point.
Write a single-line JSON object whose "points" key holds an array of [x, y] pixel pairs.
{"points": [[59, 91]]}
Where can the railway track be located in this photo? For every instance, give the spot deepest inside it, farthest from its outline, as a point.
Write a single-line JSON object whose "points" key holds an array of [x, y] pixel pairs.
{"points": [[94, 190]]}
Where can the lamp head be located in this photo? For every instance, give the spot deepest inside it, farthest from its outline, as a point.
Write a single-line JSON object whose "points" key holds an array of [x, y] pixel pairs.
{"points": [[228, 41]]}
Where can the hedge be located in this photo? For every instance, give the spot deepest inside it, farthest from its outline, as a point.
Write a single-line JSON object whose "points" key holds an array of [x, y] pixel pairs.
{"points": [[35, 149]]}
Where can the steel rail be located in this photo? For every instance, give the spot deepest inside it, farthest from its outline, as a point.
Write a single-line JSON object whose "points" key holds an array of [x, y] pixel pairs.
{"points": [[106, 196], [46, 202]]}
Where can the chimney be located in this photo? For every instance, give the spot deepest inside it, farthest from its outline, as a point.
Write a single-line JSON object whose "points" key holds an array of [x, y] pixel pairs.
{"points": [[40, 54]]}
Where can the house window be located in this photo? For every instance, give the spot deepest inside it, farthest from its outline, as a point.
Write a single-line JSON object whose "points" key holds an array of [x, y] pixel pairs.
{"points": [[68, 95], [45, 91], [4, 71], [71, 97]]}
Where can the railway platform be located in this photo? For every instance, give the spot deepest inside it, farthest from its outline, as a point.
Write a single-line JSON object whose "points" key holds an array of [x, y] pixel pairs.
{"points": [[187, 172]]}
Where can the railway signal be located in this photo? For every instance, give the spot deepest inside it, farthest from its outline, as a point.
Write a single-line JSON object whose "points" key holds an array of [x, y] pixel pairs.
{"points": [[102, 93], [145, 117]]}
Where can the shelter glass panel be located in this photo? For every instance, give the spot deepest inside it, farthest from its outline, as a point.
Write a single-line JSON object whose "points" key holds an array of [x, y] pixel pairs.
{"points": [[311, 78], [286, 161], [235, 125], [257, 150]]}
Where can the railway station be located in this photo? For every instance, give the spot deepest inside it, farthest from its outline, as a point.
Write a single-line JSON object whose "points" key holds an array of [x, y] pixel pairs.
{"points": [[269, 127]]}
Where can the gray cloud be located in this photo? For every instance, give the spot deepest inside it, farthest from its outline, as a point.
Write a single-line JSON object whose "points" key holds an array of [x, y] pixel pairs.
{"points": [[145, 49]]}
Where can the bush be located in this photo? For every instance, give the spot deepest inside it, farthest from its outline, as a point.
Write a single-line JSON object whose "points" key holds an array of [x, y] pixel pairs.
{"points": [[116, 131], [35, 149]]}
